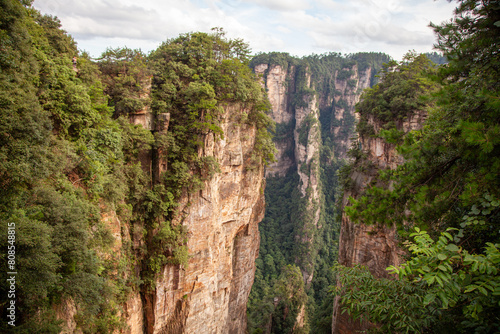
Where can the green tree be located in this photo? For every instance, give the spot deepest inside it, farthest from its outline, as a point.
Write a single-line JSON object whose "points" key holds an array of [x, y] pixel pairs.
{"points": [[449, 179]]}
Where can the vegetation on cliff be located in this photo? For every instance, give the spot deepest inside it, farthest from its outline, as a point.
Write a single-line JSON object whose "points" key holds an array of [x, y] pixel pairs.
{"points": [[71, 163], [446, 191], [289, 235]]}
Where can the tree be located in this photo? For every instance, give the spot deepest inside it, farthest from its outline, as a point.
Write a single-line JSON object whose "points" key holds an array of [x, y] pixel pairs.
{"points": [[450, 179]]}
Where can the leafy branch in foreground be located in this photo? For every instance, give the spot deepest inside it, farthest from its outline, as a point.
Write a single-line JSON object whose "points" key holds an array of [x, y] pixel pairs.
{"points": [[442, 285]]}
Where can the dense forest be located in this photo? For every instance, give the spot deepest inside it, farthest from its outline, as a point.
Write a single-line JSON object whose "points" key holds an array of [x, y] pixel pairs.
{"points": [[444, 198], [69, 155]]}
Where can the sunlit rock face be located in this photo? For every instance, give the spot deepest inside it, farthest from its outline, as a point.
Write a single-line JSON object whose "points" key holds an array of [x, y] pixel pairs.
{"points": [[210, 294], [279, 82]]}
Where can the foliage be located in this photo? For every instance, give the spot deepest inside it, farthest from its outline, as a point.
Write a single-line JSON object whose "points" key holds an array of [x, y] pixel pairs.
{"points": [[60, 152], [277, 230], [442, 287], [126, 76], [448, 181], [282, 59], [281, 306], [373, 60], [437, 58], [399, 93]]}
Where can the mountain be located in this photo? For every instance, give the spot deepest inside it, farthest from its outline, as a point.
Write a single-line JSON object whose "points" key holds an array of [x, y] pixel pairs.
{"points": [[313, 101]]}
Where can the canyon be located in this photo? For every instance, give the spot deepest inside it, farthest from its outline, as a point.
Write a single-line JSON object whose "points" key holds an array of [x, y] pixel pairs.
{"points": [[313, 105], [202, 189]]}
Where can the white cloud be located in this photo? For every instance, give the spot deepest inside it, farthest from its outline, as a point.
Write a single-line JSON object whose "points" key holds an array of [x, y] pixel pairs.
{"points": [[299, 27], [281, 5], [283, 29]]}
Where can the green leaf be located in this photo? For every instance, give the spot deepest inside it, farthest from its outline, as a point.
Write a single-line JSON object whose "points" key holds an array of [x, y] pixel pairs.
{"points": [[482, 290], [444, 299], [442, 256], [429, 298], [470, 288]]}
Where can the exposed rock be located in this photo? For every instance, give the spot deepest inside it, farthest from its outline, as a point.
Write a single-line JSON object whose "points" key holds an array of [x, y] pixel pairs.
{"points": [[279, 82], [374, 246], [134, 314], [350, 94], [210, 294], [276, 84], [66, 312]]}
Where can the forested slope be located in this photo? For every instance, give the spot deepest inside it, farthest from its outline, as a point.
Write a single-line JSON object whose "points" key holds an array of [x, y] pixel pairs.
{"points": [[100, 228], [442, 196]]}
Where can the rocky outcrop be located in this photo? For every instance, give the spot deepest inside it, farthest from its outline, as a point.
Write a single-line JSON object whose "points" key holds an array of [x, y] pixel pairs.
{"points": [[374, 246], [279, 82], [210, 294]]}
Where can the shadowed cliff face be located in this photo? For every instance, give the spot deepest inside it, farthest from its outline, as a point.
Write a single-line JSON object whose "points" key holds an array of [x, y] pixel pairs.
{"points": [[375, 247]]}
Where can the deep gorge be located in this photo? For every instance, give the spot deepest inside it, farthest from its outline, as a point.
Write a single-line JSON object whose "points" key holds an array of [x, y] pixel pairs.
{"points": [[202, 189]]}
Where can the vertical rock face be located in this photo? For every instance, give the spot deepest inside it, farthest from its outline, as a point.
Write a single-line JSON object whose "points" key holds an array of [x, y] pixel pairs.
{"points": [[348, 93], [210, 294], [376, 247], [278, 82], [276, 78]]}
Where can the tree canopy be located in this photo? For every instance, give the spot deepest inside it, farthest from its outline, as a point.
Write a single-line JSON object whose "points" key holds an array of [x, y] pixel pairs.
{"points": [[71, 162], [449, 186]]}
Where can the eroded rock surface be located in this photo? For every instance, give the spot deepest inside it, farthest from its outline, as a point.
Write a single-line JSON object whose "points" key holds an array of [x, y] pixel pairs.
{"points": [[374, 246]]}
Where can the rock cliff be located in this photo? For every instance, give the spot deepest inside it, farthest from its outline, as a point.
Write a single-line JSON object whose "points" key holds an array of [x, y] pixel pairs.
{"points": [[313, 106], [347, 94], [279, 82], [375, 246], [209, 295]]}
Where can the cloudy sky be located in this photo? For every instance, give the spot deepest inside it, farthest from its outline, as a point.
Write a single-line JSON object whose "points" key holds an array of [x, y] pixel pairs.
{"points": [[300, 27]]}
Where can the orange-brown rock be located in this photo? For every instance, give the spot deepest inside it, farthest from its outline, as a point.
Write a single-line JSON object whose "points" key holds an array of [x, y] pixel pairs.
{"points": [[209, 295], [275, 79]]}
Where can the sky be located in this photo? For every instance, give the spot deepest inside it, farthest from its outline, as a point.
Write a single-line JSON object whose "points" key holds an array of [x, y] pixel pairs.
{"points": [[299, 27]]}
